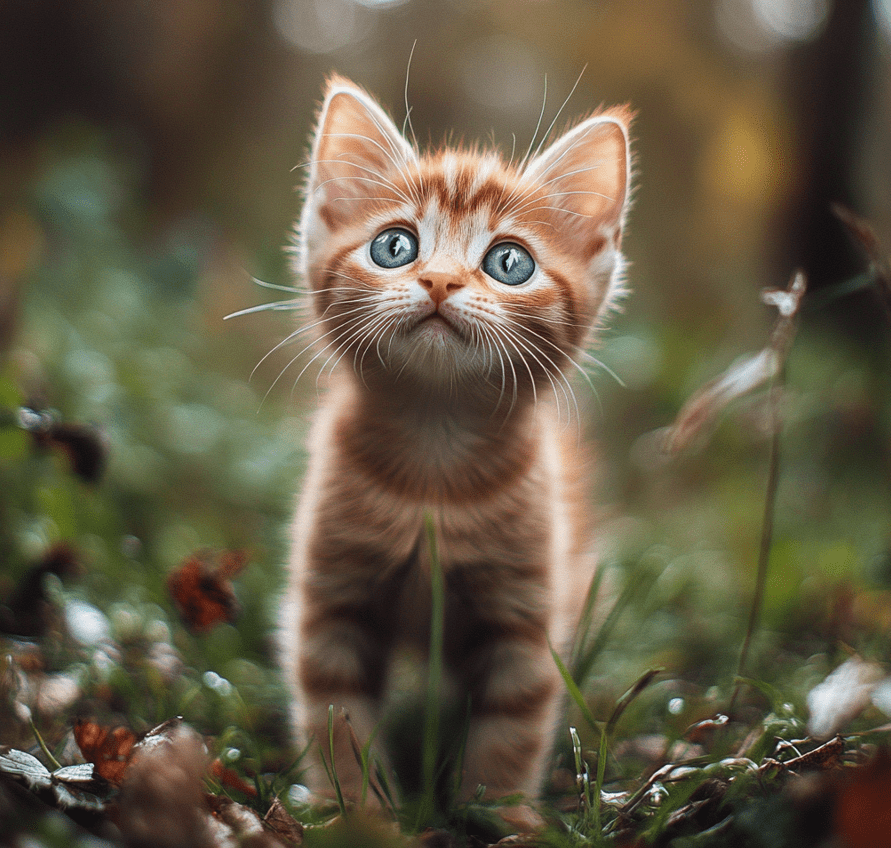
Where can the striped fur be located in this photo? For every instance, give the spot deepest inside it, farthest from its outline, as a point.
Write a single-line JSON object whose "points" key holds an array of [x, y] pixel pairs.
{"points": [[448, 396]]}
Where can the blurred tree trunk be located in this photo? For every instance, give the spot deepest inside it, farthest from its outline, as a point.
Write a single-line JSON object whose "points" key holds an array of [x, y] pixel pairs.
{"points": [[830, 81], [833, 92]]}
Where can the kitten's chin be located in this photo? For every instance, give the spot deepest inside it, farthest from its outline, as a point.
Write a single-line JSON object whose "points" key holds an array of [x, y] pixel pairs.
{"points": [[434, 350]]}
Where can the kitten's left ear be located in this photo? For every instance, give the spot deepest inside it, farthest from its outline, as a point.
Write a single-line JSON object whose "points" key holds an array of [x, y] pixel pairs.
{"points": [[586, 177]]}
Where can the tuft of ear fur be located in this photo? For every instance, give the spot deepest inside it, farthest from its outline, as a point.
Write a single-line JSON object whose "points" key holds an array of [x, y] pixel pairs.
{"points": [[586, 175], [355, 147]]}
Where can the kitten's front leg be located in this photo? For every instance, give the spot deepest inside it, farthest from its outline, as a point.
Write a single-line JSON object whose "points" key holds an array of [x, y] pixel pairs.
{"points": [[516, 700], [505, 612], [342, 663]]}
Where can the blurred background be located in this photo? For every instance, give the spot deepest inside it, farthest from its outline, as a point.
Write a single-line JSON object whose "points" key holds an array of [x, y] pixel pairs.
{"points": [[150, 158]]}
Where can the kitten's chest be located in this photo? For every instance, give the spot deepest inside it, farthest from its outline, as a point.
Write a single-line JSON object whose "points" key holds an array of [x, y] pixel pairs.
{"points": [[433, 461]]}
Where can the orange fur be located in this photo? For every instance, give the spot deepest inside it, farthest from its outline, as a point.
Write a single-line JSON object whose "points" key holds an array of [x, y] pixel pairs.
{"points": [[448, 397]]}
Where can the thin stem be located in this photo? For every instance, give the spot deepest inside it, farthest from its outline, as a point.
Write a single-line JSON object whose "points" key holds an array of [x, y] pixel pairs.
{"points": [[46, 751], [767, 522]]}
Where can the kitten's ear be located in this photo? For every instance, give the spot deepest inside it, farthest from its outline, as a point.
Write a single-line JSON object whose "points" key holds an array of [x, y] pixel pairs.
{"points": [[586, 176], [356, 147]]}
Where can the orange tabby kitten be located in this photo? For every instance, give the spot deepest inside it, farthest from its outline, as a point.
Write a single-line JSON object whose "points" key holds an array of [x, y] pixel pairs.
{"points": [[451, 289]]}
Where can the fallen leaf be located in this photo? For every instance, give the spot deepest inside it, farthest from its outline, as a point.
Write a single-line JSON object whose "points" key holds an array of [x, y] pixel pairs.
{"points": [[84, 445], [72, 786], [109, 749], [229, 777], [29, 611], [202, 591], [26, 766], [283, 824]]}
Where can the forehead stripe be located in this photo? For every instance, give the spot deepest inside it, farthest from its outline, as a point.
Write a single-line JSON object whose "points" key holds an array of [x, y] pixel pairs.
{"points": [[465, 190]]}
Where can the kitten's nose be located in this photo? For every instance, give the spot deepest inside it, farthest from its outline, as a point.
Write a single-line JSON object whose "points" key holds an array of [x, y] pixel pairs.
{"points": [[440, 284]]}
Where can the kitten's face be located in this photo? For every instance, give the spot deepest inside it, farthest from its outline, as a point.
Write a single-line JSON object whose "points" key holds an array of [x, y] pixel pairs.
{"points": [[456, 267]]}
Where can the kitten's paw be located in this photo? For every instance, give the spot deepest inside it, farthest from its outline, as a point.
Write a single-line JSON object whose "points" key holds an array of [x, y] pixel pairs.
{"points": [[522, 818]]}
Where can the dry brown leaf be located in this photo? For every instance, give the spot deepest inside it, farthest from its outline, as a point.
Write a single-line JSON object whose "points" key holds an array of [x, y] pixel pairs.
{"points": [[113, 749], [283, 824], [202, 591], [108, 748], [84, 445], [162, 802]]}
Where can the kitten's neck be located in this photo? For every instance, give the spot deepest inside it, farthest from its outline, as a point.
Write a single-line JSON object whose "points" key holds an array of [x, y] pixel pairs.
{"points": [[430, 403], [435, 446]]}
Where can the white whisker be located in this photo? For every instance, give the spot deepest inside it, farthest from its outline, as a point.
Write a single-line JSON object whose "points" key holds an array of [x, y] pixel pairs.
{"points": [[603, 367], [550, 128], [544, 103], [534, 351], [405, 95], [547, 341], [400, 195], [277, 286], [517, 210], [274, 306], [502, 331]]}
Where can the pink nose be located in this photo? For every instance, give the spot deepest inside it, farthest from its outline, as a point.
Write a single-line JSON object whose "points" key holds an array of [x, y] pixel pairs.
{"points": [[440, 285]]}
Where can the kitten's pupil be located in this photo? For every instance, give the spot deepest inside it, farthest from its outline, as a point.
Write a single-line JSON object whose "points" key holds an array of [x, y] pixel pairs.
{"points": [[399, 244], [393, 248]]}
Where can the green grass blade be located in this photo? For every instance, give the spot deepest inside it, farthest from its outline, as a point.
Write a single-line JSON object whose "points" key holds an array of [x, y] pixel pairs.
{"points": [[587, 655], [382, 789], [574, 692], [622, 704], [332, 770], [586, 619]]}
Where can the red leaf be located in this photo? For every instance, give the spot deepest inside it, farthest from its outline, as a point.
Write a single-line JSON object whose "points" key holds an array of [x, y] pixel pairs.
{"points": [[109, 749], [229, 777], [201, 590]]}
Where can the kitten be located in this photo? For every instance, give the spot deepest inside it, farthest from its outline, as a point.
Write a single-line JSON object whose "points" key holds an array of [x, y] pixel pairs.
{"points": [[452, 290]]}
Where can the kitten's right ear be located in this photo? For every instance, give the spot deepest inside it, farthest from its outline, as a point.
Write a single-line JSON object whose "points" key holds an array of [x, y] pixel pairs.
{"points": [[356, 149]]}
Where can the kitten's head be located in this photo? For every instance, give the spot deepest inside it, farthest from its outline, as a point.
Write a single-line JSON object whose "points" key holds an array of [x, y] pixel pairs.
{"points": [[455, 267]]}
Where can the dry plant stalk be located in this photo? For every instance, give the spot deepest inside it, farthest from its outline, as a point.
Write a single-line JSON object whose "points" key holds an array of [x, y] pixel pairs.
{"points": [[703, 408]]}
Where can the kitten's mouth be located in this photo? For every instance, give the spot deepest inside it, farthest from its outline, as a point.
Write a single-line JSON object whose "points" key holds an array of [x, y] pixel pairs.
{"points": [[438, 320]]}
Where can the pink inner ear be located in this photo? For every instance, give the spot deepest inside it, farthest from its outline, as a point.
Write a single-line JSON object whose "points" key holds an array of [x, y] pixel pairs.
{"points": [[356, 151], [585, 176]]}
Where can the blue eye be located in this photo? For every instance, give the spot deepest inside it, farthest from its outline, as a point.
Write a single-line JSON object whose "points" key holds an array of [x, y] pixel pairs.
{"points": [[394, 248], [509, 264]]}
